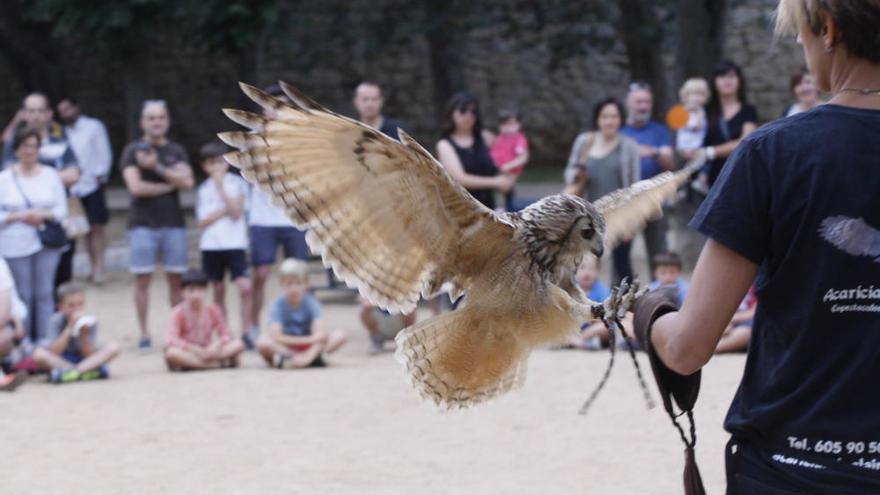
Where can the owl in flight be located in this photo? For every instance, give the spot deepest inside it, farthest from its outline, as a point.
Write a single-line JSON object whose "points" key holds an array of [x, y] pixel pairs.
{"points": [[390, 221]]}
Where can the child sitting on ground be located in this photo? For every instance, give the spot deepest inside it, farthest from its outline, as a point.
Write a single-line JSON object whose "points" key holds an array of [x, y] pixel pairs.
{"points": [[198, 337], [220, 209], [593, 333], [667, 273], [739, 331], [70, 351], [510, 150], [296, 336]]}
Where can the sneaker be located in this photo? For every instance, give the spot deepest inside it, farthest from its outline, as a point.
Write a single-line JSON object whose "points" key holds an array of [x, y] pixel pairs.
{"points": [[318, 362], [100, 373], [279, 360], [377, 344], [145, 343], [248, 341], [58, 375], [11, 381]]}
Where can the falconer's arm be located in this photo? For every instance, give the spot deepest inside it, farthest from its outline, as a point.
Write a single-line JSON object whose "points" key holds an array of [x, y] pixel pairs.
{"points": [[685, 339]]}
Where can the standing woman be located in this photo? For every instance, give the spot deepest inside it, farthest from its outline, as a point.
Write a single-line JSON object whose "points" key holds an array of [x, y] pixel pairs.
{"points": [[797, 205], [731, 117], [803, 88], [605, 160], [30, 194], [464, 151]]}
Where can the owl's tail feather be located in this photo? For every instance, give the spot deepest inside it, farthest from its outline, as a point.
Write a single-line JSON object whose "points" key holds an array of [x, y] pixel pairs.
{"points": [[463, 357]]}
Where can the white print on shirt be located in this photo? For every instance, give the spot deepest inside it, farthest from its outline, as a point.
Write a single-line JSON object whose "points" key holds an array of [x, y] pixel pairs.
{"points": [[852, 236], [833, 448], [861, 299]]}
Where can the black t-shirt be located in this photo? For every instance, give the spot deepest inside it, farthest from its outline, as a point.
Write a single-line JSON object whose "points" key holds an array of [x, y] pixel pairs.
{"points": [[389, 127], [800, 197], [721, 131], [476, 160], [159, 211]]}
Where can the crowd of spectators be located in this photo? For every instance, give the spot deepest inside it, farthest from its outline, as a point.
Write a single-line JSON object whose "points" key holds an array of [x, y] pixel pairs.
{"points": [[55, 169]]}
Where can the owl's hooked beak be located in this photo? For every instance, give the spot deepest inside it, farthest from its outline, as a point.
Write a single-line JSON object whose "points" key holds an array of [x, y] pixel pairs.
{"points": [[598, 250]]}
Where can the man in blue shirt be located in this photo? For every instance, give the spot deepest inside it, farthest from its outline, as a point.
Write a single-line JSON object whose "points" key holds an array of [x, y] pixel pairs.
{"points": [[655, 147]]}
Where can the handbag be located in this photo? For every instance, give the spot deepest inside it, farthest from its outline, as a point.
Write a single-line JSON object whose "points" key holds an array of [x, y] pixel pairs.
{"points": [[577, 187], [51, 233], [76, 223]]}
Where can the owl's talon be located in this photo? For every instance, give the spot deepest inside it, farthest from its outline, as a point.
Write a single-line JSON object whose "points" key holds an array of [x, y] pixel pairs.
{"points": [[621, 300]]}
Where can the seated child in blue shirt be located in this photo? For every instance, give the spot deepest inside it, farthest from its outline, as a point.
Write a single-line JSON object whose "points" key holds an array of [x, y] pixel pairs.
{"points": [[70, 351], [592, 333], [296, 336], [667, 273]]}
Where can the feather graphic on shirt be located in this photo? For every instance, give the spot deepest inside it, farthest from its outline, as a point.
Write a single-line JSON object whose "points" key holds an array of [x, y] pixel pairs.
{"points": [[852, 236]]}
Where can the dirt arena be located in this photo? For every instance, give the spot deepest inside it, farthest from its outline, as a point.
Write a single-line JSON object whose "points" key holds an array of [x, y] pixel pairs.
{"points": [[353, 428]]}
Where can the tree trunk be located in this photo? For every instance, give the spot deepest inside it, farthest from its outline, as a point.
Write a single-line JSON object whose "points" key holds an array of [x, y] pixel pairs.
{"points": [[445, 45], [643, 37], [700, 37], [32, 51]]}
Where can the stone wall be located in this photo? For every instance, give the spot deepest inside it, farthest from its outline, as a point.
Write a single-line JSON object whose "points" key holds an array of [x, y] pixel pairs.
{"points": [[331, 53]]}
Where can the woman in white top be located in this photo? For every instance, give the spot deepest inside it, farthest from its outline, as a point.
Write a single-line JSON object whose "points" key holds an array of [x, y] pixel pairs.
{"points": [[12, 314], [30, 194]]}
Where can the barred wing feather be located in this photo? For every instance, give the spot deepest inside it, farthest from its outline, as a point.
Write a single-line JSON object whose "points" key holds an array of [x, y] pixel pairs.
{"points": [[383, 214]]}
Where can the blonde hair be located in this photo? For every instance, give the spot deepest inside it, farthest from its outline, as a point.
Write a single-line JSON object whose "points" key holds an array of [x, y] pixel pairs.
{"points": [[857, 20], [694, 85], [292, 267], [792, 13]]}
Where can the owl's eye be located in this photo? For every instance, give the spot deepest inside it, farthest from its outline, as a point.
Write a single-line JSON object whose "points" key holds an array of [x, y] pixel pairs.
{"points": [[587, 233]]}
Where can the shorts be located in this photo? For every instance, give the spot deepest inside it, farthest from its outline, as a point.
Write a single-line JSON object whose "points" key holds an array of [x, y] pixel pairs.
{"points": [[265, 242], [95, 206], [299, 347], [146, 245], [216, 263], [72, 358]]}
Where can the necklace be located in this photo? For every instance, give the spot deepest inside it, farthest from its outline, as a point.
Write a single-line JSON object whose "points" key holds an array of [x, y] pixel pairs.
{"points": [[862, 91]]}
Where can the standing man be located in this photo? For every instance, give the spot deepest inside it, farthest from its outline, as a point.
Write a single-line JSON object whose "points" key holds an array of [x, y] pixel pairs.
{"points": [[381, 325], [655, 149], [368, 102], [155, 169], [55, 152], [269, 228], [91, 145]]}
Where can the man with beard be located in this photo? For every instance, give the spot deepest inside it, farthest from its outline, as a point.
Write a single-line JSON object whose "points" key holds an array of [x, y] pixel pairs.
{"points": [[91, 145], [655, 145]]}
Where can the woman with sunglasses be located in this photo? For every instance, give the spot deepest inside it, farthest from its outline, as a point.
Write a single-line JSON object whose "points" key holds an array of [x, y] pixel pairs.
{"points": [[464, 151]]}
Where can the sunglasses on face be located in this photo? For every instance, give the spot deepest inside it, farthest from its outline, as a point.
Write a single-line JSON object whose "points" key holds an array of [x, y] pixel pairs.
{"points": [[467, 110]]}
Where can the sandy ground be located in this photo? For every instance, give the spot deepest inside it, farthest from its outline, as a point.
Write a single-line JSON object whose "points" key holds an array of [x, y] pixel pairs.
{"points": [[353, 428]]}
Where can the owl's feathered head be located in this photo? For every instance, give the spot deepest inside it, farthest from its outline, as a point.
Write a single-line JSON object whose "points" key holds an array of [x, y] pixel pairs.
{"points": [[560, 229]]}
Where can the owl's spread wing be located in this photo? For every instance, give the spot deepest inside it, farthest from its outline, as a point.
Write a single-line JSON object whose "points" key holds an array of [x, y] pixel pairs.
{"points": [[627, 210], [383, 214]]}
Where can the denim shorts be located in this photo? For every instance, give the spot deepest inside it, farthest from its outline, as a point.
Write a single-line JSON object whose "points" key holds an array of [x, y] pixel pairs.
{"points": [[146, 245], [265, 242]]}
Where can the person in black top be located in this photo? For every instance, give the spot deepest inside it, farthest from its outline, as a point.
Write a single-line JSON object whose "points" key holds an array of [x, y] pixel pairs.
{"points": [[730, 116], [796, 205], [464, 151]]}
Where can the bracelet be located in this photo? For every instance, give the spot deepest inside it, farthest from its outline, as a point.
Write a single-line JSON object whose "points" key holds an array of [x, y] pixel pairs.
{"points": [[710, 152]]}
